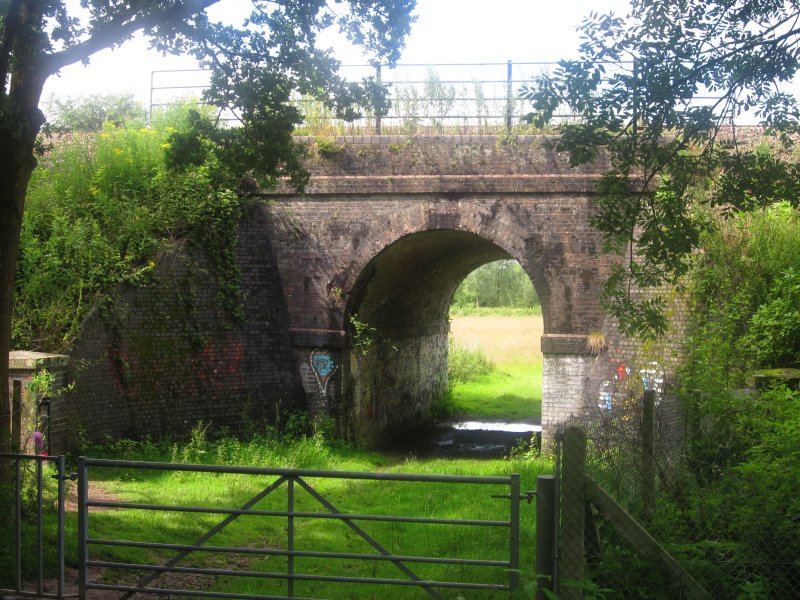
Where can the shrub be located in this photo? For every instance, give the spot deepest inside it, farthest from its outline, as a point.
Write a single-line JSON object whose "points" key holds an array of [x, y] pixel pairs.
{"points": [[100, 208], [466, 364]]}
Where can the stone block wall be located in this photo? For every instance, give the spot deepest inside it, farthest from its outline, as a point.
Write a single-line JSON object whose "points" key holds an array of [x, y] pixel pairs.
{"points": [[395, 386]]}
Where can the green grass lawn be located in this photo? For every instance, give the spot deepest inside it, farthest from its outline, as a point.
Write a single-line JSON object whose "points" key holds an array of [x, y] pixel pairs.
{"points": [[225, 491], [512, 392]]}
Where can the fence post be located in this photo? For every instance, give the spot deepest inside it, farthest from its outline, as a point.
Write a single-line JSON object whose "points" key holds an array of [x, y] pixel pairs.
{"points": [[648, 472], [546, 516], [573, 511], [290, 538], [83, 527], [509, 98], [62, 475], [513, 577], [378, 109]]}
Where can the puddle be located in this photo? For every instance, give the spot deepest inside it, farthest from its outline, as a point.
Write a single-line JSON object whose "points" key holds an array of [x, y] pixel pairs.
{"points": [[462, 439]]}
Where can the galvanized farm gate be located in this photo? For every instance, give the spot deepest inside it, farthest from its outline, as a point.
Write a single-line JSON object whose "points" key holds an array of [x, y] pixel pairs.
{"points": [[148, 576]]}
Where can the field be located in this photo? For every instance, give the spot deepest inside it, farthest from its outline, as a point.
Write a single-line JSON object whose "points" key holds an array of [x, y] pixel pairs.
{"points": [[513, 391]]}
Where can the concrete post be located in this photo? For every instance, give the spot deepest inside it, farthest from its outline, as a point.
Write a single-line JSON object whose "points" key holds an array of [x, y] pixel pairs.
{"points": [[23, 365]]}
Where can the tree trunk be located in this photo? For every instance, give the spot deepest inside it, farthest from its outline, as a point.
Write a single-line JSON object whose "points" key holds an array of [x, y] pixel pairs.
{"points": [[16, 165]]}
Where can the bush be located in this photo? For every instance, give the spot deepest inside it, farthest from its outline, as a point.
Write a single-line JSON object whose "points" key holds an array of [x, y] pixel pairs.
{"points": [[100, 208], [466, 364], [731, 515]]}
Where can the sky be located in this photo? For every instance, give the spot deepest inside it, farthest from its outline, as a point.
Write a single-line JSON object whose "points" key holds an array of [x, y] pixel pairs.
{"points": [[446, 31]]}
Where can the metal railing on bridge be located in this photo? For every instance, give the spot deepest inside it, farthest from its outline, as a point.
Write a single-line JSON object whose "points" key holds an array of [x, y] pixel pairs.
{"points": [[440, 98]]}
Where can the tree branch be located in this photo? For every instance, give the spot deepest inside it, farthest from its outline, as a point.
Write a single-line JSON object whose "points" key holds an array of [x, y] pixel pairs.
{"points": [[115, 32]]}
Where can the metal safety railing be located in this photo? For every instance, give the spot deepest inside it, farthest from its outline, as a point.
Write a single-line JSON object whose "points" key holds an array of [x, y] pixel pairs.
{"points": [[420, 97], [16, 465], [294, 514]]}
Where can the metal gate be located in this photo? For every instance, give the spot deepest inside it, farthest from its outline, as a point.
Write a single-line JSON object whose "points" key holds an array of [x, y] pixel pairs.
{"points": [[276, 568], [33, 467]]}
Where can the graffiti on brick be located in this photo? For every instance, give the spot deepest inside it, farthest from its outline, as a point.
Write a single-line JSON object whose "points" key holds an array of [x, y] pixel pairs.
{"points": [[324, 366]]}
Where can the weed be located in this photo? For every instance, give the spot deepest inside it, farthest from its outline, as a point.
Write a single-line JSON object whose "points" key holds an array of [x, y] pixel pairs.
{"points": [[327, 148]]}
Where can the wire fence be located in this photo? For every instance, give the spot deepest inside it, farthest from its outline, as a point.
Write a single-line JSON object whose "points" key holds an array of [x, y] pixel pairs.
{"points": [[646, 529]]}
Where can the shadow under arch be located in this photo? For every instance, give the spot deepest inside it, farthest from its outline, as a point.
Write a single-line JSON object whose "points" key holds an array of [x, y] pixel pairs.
{"points": [[396, 316]]}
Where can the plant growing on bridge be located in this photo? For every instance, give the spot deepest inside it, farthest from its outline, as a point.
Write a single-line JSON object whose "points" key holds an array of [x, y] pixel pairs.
{"points": [[256, 68], [664, 142], [364, 335]]}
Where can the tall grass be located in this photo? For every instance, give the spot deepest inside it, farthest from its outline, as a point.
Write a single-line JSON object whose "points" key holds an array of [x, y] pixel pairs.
{"points": [[466, 364]]}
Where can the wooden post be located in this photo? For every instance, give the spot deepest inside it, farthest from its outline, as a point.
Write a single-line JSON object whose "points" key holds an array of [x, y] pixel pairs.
{"points": [[573, 512], [648, 472], [546, 515]]}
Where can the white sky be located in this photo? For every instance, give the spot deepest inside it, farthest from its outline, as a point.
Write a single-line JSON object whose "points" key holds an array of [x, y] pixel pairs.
{"points": [[446, 31]]}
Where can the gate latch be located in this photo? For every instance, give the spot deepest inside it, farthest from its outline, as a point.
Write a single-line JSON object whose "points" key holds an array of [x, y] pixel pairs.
{"points": [[526, 496]]}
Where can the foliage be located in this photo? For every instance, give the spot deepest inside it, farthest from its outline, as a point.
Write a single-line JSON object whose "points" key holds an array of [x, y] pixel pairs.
{"points": [[736, 287], [774, 336], [729, 514], [364, 335], [636, 88], [256, 67], [466, 364], [501, 283], [737, 504], [429, 105], [100, 208], [91, 113]]}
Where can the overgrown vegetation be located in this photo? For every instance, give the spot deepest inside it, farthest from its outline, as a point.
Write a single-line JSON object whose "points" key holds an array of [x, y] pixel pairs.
{"points": [[466, 364], [101, 208], [732, 514]]}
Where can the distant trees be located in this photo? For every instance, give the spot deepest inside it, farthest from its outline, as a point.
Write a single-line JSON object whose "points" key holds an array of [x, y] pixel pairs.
{"points": [[90, 113], [498, 284]]}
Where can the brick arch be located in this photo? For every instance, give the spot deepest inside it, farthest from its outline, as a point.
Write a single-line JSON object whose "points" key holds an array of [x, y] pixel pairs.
{"points": [[481, 236], [384, 212]]}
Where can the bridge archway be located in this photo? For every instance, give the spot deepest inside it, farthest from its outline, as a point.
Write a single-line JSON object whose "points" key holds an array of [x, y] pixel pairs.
{"points": [[395, 364], [386, 212]]}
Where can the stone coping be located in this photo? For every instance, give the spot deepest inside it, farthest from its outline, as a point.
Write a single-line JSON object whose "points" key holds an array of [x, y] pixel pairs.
{"points": [[26, 360]]}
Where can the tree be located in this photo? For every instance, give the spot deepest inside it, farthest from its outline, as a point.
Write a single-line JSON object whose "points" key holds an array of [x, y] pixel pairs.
{"points": [[641, 89], [90, 113], [255, 69], [501, 283]]}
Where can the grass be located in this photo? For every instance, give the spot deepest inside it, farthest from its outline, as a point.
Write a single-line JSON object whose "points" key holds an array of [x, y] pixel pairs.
{"points": [[430, 500], [513, 390]]}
